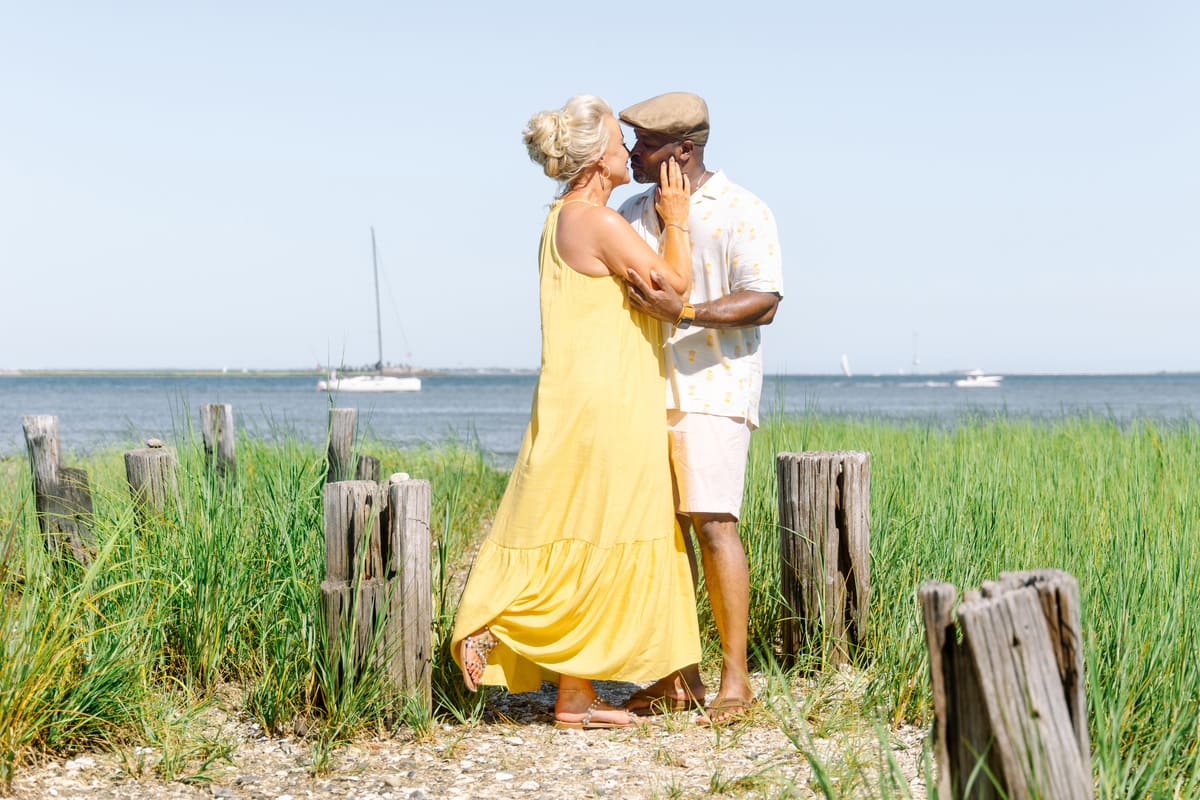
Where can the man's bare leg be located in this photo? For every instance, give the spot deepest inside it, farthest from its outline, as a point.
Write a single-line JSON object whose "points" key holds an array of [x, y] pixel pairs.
{"points": [[727, 576]]}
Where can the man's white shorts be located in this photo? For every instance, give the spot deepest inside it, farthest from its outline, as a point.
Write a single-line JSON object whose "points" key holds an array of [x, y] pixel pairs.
{"points": [[708, 462]]}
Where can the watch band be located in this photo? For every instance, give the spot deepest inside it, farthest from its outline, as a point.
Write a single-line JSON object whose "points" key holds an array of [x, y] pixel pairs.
{"points": [[687, 315]]}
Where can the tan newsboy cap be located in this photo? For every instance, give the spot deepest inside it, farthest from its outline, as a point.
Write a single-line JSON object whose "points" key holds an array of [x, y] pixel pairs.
{"points": [[680, 115]]}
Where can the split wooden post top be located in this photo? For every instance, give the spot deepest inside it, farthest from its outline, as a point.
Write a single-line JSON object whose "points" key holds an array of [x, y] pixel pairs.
{"points": [[1006, 667]]}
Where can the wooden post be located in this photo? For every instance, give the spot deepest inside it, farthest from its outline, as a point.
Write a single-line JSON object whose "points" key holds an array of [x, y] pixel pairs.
{"points": [[341, 442], [74, 514], [1010, 693], [368, 469], [824, 550], [354, 591], [41, 440], [151, 475], [408, 565], [62, 498], [216, 422]]}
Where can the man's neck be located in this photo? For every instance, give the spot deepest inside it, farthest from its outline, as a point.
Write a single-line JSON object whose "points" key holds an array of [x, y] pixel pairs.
{"points": [[698, 175]]}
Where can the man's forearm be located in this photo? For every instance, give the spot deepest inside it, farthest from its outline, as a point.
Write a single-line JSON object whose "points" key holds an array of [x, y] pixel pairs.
{"points": [[737, 310]]}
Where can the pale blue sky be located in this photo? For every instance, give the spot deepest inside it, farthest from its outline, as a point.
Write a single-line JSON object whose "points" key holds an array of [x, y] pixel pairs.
{"points": [[1014, 185]]}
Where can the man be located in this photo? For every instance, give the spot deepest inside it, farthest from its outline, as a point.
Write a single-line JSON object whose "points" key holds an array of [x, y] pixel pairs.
{"points": [[714, 374]]}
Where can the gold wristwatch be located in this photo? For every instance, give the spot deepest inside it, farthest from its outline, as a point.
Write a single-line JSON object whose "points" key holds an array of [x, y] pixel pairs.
{"points": [[687, 315]]}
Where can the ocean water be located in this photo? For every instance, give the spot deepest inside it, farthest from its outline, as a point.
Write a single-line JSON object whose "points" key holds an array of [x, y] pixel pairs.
{"points": [[97, 412]]}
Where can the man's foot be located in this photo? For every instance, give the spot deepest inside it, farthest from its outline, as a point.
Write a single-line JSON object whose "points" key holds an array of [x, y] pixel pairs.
{"points": [[725, 711], [664, 695], [474, 655]]}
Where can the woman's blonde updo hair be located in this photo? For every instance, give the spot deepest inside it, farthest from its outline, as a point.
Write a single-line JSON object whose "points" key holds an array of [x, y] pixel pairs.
{"points": [[568, 141]]}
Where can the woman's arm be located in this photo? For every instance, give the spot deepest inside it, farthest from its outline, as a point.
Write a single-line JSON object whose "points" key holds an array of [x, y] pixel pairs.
{"points": [[622, 250]]}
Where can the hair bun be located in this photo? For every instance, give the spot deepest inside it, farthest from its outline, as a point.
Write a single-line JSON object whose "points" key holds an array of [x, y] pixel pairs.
{"points": [[564, 141]]}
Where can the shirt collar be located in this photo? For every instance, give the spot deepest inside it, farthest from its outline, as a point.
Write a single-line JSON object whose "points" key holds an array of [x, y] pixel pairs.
{"points": [[714, 186]]}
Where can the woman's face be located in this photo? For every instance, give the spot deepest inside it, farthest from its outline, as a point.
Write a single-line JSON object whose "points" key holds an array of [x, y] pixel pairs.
{"points": [[616, 157]]}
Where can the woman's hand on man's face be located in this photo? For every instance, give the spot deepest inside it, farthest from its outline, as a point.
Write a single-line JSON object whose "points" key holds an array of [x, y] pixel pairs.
{"points": [[674, 197]]}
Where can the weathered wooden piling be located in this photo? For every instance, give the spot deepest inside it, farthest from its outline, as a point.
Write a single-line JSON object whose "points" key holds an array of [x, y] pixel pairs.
{"points": [[73, 512], [376, 596], [824, 550], [1008, 694], [216, 424], [41, 441], [341, 443], [408, 563], [151, 474], [367, 469], [62, 497]]}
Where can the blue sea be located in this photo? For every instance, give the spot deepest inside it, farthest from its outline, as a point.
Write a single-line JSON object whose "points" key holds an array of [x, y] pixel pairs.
{"points": [[98, 411]]}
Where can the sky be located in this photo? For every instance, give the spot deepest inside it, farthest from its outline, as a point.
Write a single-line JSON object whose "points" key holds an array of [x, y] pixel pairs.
{"points": [[1010, 186]]}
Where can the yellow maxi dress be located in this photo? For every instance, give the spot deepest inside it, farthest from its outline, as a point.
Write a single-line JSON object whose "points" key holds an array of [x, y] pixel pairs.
{"points": [[584, 572]]}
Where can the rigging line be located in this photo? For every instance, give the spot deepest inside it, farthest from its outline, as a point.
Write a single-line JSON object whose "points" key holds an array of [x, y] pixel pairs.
{"points": [[387, 285]]}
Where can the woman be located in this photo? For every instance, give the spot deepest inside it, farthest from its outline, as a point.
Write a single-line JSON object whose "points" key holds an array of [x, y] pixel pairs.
{"points": [[584, 573]]}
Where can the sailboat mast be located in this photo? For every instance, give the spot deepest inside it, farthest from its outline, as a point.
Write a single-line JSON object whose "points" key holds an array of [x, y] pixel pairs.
{"points": [[378, 318]]}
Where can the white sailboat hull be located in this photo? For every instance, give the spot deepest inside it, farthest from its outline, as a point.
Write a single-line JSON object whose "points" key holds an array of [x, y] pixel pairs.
{"points": [[370, 383]]}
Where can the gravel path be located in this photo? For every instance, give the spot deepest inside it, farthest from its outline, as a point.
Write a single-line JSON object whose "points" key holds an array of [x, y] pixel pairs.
{"points": [[518, 755]]}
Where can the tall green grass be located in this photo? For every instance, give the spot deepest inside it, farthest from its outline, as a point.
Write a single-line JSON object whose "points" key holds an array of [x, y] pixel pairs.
{"points": [[1116, 505], [221, 590]]}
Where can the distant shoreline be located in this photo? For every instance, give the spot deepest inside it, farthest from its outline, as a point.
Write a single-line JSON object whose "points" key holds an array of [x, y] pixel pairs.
{"points": [[500, 371], [247, 373]]}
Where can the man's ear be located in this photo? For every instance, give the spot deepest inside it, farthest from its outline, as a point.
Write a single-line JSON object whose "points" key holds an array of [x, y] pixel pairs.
{"points": [[683, 152]]}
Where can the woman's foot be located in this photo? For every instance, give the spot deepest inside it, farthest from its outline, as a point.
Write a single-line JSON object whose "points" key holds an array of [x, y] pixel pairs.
{"points": [[581, 709], [474, 653]]}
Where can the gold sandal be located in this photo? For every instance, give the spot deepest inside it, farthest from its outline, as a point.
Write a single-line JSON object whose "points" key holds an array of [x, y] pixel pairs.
{"points": [[480, 645], [586, 723]]}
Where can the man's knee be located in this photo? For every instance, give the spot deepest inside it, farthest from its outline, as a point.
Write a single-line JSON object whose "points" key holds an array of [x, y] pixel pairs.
{"points": [[714, 528]]}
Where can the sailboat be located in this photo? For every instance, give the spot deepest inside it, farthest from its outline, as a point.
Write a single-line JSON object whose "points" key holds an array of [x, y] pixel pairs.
{"points": [[846, 366], [378, 382]]}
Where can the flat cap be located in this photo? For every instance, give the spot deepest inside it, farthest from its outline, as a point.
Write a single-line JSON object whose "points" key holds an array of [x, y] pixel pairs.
{"points": [[680, 115]]}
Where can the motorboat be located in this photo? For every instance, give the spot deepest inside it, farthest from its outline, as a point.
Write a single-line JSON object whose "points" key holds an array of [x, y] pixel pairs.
{"points": [[978, 379]]}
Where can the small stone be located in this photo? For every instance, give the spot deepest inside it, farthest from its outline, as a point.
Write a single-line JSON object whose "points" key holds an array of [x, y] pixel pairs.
{"points": [[516, 741], [417, 794], [154, 443], [222, 791], [530, 786], [504, 776], [394, 781], [83, 762]]}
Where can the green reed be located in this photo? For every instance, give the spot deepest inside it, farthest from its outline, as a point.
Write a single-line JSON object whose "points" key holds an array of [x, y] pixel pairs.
{"points": [[221, 589], [1116, 505], [217, 592]]}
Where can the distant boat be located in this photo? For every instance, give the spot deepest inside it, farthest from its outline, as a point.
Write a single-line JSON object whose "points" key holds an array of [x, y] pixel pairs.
{"points": [[846, 366], [369, 383], [378, 382], [978, 379]]}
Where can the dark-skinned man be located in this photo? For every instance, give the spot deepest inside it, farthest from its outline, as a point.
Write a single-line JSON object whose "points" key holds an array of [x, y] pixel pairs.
{"points": [[714, 375]]}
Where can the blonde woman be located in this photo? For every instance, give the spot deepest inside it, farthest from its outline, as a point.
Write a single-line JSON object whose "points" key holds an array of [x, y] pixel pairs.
{"points": [[584, 574]]}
